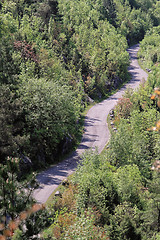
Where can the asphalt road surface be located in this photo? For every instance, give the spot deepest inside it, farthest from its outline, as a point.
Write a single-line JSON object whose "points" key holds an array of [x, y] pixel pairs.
{"points": [[96, 133]]}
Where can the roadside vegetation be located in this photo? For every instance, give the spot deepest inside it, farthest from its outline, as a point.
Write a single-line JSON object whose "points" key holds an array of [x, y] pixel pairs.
{"points": [[116, 195], [56, 56]]}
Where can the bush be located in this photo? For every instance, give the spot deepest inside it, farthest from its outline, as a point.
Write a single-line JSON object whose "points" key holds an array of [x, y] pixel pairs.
{"points": [[85, 229], [123, 224], [123, 108], [96, 185]]}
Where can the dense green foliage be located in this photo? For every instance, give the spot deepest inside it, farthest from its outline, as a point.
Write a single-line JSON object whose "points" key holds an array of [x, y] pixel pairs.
{"points": [[150, 55], [121, 184], [119, 189], [54, 55]]}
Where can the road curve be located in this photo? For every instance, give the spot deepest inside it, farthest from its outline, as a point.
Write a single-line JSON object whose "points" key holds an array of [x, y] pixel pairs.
{"points": [[96, 133]]}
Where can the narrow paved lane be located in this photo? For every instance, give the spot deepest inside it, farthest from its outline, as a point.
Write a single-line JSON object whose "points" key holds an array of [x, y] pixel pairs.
{"points": [[96, 133]]}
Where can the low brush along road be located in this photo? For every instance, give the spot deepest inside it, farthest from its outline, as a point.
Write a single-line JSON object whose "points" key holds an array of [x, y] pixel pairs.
{"points": [[96, 133]]}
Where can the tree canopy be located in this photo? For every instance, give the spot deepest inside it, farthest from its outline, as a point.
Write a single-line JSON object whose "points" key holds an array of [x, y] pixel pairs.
{"points": [[55, 55]]}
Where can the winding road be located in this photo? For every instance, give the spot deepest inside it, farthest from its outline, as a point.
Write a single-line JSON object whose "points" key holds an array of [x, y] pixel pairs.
{"points": [[96, 133]]}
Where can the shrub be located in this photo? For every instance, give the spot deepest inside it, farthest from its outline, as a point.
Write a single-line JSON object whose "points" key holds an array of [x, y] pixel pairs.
{"points": [[85, 229], [123, 108]]}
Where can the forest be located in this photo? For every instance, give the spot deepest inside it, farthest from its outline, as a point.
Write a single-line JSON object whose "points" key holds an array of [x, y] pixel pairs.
{"points": [[55, 57]]}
